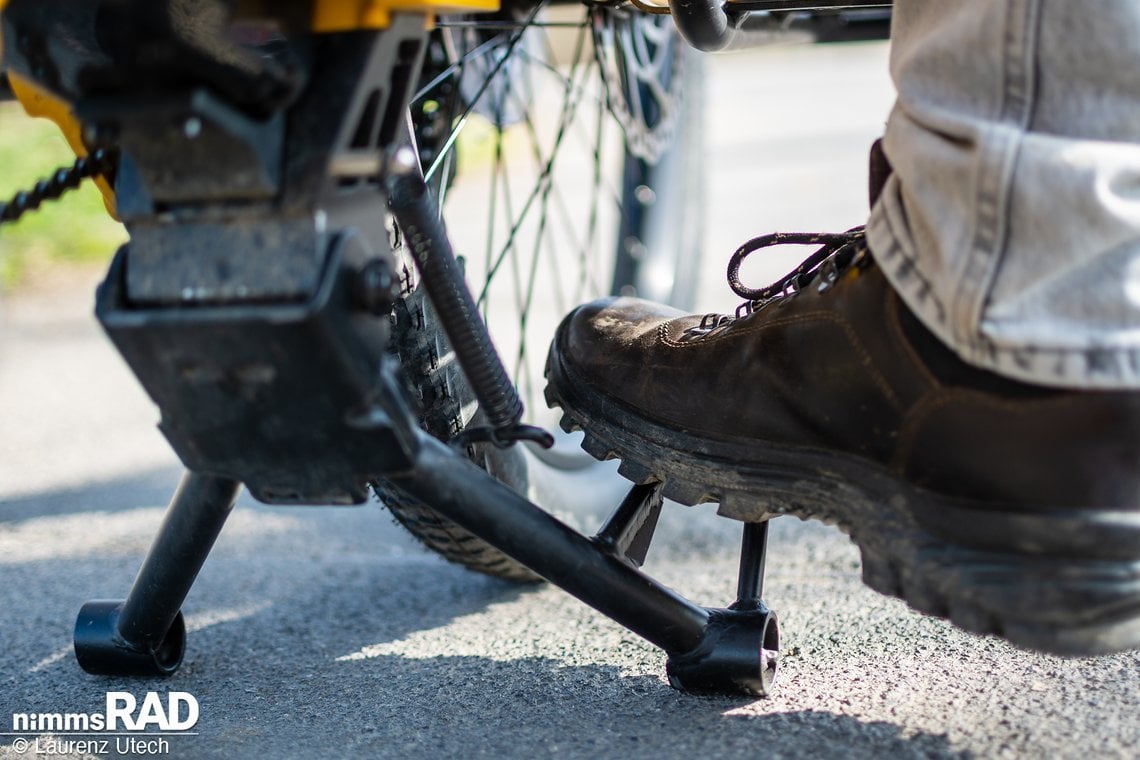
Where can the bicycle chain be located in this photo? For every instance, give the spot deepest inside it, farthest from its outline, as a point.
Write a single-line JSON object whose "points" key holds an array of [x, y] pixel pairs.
{"points": [[65, 178]]}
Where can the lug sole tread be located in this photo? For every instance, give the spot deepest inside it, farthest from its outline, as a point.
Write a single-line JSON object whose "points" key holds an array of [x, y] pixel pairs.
{"points": [[1068, 606]]}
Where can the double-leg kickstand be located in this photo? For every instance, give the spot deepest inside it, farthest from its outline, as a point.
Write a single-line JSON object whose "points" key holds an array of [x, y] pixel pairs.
{"points": [[145, 635], [730, 650]]}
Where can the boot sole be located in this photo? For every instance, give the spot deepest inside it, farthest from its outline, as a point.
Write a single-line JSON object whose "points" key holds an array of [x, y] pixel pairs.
{"points": [[1060, 581]]}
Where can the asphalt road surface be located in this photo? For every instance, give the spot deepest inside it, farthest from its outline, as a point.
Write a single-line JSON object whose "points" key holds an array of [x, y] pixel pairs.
{"points": [[327, 632]]}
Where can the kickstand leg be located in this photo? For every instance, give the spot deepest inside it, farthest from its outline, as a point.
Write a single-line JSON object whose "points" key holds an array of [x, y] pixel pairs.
{"points": [[145, 634]]}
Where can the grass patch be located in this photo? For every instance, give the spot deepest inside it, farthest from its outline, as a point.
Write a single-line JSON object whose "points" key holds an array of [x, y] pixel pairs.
{"points": [[75, 228]]}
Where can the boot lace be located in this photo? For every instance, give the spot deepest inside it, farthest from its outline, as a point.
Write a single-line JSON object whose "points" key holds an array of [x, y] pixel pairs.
{"points": [[836, 254]]}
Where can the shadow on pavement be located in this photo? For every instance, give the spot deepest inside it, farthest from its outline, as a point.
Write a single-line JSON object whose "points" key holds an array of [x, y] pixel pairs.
{"points": [[316, 641], [148, 488]]}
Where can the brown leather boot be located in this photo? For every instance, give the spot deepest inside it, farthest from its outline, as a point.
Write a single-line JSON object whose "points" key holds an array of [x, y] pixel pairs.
{"points": [[1009, 509]]}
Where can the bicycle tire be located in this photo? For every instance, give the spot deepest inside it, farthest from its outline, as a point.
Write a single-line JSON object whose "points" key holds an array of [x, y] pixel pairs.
{"points": [[653, 251]]}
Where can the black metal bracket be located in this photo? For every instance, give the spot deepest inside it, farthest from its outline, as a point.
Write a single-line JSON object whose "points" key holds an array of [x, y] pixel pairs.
{"points": [[738, 654], [736, 637], [630, 529], [297, 400]]}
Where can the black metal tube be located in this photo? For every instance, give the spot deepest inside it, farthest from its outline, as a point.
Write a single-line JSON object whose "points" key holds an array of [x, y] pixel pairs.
{"points": [[753, 549], [716, 25], [418, 216], [462, 492], [807, 5], [703, 23], [193, 521]]}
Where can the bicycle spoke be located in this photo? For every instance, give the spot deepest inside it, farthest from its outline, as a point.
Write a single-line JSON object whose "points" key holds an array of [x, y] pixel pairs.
{"points": [[542, 181], [540, 161], [449, 145], [505, 25], [455, 67], [595, 202], [550, 165], [572, 102], [493, 207]]}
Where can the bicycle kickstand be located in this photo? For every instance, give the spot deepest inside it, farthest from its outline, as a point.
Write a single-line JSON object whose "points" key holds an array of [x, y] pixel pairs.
{"points": [[145, 635]]}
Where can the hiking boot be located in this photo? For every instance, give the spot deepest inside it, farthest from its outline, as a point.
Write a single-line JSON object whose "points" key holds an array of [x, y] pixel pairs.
{"points": [[1008, 508]]}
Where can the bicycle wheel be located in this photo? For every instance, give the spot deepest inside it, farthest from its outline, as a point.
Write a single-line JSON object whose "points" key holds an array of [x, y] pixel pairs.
{"points": [[563, 146]]}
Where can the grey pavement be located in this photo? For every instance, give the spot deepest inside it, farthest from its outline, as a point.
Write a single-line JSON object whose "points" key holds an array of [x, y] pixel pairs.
{"points": [[327, 632]]}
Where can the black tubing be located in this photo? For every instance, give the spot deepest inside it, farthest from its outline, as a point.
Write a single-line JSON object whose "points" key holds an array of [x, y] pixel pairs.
{"points": [[101, 649], [703, 23], [193, 521], [714, 25]]}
